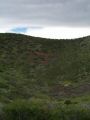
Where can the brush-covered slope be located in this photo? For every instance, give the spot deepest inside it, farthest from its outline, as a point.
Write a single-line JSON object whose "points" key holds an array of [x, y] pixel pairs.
{"points": [[36, 67]]}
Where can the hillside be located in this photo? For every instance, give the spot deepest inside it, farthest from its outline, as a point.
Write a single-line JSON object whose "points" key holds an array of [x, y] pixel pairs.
{"points": [[43, 68]]}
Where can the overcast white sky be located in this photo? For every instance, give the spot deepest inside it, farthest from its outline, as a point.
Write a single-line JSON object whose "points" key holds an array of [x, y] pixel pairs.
{"points": [[46, 18]]}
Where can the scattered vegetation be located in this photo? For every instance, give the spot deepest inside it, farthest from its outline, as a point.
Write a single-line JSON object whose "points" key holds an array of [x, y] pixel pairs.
{"points": [[42, 79]]}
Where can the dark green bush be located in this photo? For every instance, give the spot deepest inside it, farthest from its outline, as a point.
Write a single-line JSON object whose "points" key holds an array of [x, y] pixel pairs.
{"points": [[67, 102]]}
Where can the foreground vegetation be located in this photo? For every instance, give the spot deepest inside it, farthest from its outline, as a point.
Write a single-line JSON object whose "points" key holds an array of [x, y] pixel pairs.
{"points": [[42, 79], [37, 109]]}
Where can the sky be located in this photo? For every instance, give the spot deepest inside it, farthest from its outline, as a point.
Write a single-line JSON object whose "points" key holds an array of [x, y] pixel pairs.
{"points": [[46, 18]]}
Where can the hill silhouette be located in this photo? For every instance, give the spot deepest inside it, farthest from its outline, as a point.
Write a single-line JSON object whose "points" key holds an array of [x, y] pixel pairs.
{"points": [[38, 67]]}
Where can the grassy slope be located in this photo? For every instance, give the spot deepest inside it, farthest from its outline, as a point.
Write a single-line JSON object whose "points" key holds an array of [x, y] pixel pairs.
{"points": [[36, 67]]}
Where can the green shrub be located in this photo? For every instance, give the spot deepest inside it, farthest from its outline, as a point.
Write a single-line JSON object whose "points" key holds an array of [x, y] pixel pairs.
{"points": [[67, 102]]}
